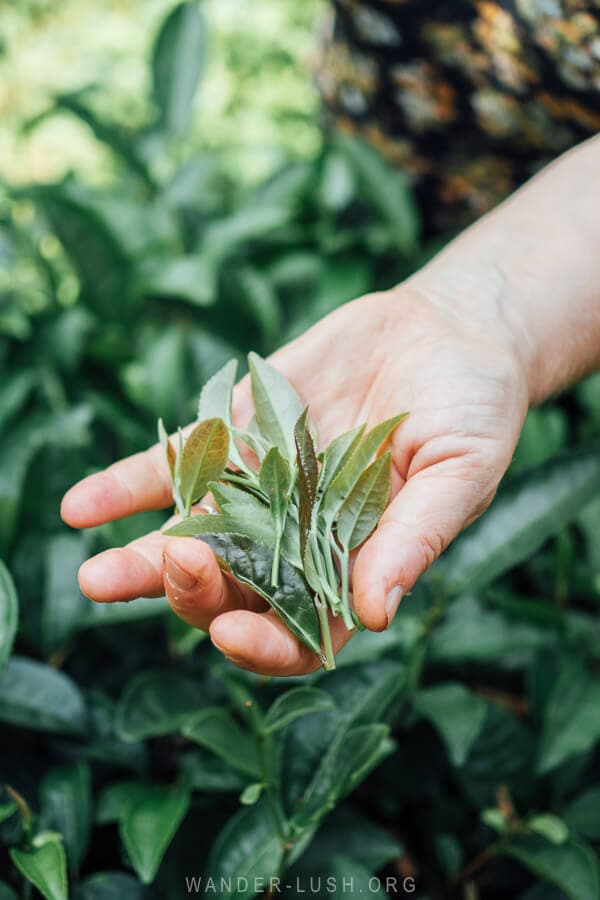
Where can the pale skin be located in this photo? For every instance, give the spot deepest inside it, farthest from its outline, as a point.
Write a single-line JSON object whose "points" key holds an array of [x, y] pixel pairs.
{"points": [[507, 315]]}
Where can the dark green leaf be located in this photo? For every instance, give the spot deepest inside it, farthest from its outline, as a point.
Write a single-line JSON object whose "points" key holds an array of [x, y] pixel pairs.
{"points": [[6, 892], [177, 64], [216, 730], [64, 605], [277, 405], [156, 703], [110, 886], [293, 704], [582, 815], [149, 825], [251, 564], [536, 506], [365, 503], [204, 457], [35, 696], [44, 865], [247, 850], [572, 866], [115, 799], [308, 473], [570, 722], [9, 614], [66, 801], [456, 713]]}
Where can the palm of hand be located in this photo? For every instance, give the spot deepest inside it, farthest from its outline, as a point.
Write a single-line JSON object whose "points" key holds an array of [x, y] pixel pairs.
{"points": [[366, 362]]}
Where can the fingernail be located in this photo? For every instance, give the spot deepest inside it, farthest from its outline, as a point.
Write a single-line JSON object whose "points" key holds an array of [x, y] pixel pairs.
{"points": [[392, 601], [178, 577]]}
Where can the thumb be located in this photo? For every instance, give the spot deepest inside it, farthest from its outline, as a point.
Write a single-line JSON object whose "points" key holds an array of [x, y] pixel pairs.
{"points": [[426, 515]]}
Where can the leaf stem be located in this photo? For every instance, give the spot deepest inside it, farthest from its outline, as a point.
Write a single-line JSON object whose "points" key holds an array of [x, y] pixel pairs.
{"points": [[276, 557], [328, 654], [344, 558]]}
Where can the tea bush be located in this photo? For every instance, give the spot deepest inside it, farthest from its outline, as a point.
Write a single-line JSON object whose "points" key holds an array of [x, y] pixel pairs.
{"points": [[455, 755]]}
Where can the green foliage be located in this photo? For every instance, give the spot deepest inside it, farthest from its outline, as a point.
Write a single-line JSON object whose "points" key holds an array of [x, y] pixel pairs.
{"points": [[463, 743]]}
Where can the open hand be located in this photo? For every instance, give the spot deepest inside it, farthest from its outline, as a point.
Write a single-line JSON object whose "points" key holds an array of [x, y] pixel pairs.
{"points": [[462, 380]]}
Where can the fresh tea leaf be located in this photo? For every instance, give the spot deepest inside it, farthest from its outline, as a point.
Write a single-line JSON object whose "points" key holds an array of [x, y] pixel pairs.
{"points": [[44, 865], [277, 405], [149, 826], [66, 801], [203, 459], [110, 886], [571, 866], [308, 473], [337, 454], [274, 478], [344, 481], [215, 402], [251, 563], [177, 62], [33, 695], [9, 613], [168, 448], [365, 503], [155, 703], [456, 713]]}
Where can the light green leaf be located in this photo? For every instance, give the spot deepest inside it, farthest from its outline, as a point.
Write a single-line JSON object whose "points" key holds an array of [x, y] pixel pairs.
{"points": [[571, 866], [216, 730], [259, 299], [550, 827], [177, 63], [571, 724], [149, 825], [251, 793], [36, 696], [456, 713], [215, 402], [203, 459], [365, 503], [494, 818], [536, 506], [44, 865], [277, 405], [348, 475], [64, 606], [294, 703], [251, 563], [9, 614], [168, 448], [66, 801], [156, 703], [337, 454], [246, 524], [247, 850], [190, 278], [274, 478]]}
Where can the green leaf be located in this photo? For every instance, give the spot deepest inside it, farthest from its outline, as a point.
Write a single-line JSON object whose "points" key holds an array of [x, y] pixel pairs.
{"points": [[277, 405], [258, 298], [348, 475], [344, 870], [168, 448], [156, 703], [274, 478], [64, 606], [9, 614], [203, 459], [66, 801], [251, 564], [571, 866], [337, 454], [36, 696], [536, 506], [44, 865], [550, 827], [216, 730], [247, 850], [251, 793], [203, 771], [115, 799], [149, 825], [582, 815], [308, 473], [365, 503], [177, 64], [570, 721], [456, 713], [110, 886], [6, 892], [189, 278], [293, 704], [215, 396]]}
